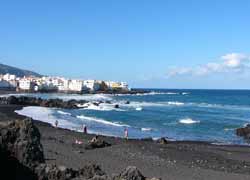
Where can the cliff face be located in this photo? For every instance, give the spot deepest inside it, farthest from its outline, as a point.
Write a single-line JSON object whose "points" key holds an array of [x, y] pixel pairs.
{"points": [[21, 157]]}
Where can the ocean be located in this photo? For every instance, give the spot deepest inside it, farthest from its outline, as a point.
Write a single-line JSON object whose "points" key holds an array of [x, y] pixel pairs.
{"points": [[197, 115]]}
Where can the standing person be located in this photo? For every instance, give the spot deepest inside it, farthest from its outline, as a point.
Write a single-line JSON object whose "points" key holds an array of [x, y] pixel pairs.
{"points": [[84, 127], [56, 123], [126, 133]]}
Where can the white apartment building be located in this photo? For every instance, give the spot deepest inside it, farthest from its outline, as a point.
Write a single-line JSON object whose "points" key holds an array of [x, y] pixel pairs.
{"points": [[63, 85], [9, 77], [26, 84], [124, 86], [92, 85], [75, 85]]}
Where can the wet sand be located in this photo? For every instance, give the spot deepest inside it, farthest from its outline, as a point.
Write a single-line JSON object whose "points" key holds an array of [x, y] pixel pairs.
{"points": [[175, 160]]}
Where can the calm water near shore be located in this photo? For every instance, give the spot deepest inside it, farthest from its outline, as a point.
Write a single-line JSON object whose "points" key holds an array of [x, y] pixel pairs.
{"points": [[203, 115]]}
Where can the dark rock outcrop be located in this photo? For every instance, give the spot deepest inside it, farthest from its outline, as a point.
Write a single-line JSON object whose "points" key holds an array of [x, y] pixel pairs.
{"points": [[117, 106], [97, 144], [131, 173], [32, 101], [53, 172], [21, 157], [244, 132], [11, 168], [162, 141], [22, 140], [91, 171]]}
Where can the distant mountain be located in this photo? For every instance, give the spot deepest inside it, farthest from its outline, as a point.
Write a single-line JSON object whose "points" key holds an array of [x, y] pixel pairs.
{"points": [[18, 72]]}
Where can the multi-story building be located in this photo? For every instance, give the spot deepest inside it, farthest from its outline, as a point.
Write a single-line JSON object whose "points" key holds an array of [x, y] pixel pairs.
{"points": [[75, 85], [9, 77], [58, 84], [26, 84], [92, 85], [117, 85], [63, 85]]}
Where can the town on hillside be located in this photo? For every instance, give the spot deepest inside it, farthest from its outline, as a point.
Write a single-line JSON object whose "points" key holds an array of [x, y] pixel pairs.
{"points": [[59, 84]]}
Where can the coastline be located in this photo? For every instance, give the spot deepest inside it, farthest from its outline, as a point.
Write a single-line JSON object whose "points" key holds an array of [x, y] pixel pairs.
{"points": [[175, 160]]}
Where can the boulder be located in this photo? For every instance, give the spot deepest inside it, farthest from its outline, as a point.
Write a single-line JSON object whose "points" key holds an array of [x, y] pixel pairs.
{"points": [[90, 171], [97, 144], [22, 140], [244, 132], [117, 106], [130, 173], [162, 141], [22, 157], [53, 172], [108, 102]]}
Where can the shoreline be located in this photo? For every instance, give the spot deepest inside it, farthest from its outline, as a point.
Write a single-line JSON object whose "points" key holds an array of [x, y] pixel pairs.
{"points": [[174, 160], [25, 101], [169, 140]]}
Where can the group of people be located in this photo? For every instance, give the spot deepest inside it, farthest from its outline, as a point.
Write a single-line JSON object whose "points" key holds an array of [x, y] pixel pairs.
{"points": [[84, 129]]}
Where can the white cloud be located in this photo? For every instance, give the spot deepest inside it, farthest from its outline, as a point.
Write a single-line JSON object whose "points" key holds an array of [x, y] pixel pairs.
{"points": [[234, 62]]}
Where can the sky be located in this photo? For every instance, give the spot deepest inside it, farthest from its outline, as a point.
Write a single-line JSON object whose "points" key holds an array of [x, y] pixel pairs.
{"points": [[148, 43]]}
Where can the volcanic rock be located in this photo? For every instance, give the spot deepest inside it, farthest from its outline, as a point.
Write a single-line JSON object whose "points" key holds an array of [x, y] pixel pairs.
{"points": [[244, 132], [22, 140], [97, 144]]}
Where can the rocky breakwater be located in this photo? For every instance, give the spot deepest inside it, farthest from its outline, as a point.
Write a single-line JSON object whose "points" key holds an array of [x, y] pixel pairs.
{"points": [[32, 101], [21, 155], [51, 103]]}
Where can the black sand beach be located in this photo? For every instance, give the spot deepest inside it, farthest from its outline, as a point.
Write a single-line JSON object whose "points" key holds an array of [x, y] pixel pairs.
{"points": [[175, 160]]}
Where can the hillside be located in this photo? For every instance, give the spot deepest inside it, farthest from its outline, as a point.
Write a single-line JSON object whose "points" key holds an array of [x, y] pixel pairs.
{"points": [[18, 72]]}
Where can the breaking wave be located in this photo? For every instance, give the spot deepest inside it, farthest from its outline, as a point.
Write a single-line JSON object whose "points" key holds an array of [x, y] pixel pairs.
{"points": [[64, 113], [154, 93], [146, 129], [188, 121], [45, 115], [100, 107], [99, 120]]}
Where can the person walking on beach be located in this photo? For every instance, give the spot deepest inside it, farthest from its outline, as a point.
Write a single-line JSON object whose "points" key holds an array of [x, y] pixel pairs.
{"points": [[56, 123], [126, 133], [84, 127]]}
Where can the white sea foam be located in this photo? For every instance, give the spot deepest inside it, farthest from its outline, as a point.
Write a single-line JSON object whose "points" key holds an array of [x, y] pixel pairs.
{"points": [[87, 97], [146, 129], [64, 113], [149, 94], [138, 109], [45, 115], [176, 103], [136, 104], [99, 120], [229, 129], [188, 121], [17, 95], [100, 107]]}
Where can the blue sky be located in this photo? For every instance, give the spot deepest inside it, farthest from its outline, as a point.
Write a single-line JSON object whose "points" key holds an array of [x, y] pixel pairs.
{"points": [[161, 43]]}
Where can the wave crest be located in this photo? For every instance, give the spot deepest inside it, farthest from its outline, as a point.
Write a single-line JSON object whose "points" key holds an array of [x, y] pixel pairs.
{"points": [[188, 121], [99, 120]]}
